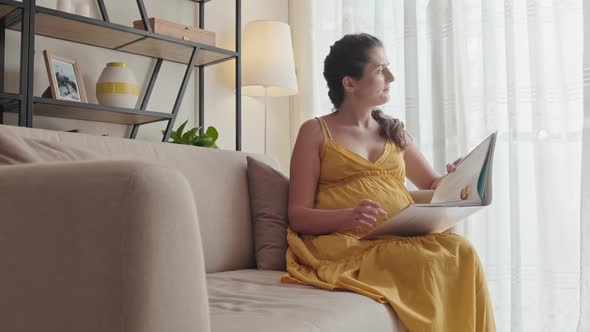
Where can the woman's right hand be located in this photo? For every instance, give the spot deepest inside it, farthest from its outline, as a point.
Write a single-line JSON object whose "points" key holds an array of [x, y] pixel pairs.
{"points": [[364, 215]]}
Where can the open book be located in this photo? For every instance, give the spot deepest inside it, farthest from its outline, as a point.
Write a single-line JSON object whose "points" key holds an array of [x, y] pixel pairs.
{"points": [[458, 195]]}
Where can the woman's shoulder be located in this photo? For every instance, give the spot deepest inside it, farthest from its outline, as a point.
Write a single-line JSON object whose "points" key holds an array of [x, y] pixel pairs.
{"points": [[311, 127], [326, 117], [310, 134]]}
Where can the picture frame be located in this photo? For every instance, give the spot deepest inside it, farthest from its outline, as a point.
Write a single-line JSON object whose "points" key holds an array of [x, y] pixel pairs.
{"points": [[65, 78]]}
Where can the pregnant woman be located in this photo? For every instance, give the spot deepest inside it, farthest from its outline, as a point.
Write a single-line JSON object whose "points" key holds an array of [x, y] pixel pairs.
{"points": [[348, 173]]}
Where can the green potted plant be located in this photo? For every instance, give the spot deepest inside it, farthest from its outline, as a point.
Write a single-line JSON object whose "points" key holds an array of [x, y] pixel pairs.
{"points": [[192, 136]]}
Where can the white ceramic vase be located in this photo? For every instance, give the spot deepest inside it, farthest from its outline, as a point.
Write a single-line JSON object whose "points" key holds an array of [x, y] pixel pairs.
{"points": [[117, 86], [65, 6], [83, 9]]}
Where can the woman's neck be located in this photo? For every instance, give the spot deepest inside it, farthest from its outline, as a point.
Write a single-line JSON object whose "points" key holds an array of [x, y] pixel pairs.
{"points": [[355, 115]]}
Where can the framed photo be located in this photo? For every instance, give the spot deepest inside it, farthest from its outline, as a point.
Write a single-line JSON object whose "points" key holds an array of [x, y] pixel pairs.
{"points": [[65, 79]]}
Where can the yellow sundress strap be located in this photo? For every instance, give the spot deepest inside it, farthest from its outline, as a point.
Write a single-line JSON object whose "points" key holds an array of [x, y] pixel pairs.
{"points": [[325, 129]]}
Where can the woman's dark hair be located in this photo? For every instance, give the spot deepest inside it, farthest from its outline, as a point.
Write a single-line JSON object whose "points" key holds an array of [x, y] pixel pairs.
{"points": [[348, 57]]}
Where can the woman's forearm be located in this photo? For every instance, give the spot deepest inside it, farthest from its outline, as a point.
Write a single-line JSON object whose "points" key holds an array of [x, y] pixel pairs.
{"points": [[317, 222]]}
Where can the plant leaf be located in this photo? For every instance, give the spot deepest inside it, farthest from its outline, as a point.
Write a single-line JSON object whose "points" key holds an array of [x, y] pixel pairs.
{"points": [[188, 136], [206, 141], [174, 136], [181, 128], [212, 132], [196, 140]]}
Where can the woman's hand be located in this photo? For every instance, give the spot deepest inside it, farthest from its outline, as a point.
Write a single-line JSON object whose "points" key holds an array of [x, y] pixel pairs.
{"points": [[451, 167], [364, 215]]}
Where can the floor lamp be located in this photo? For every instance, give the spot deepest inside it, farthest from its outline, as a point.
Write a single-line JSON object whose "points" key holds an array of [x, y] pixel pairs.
{"points": [[268, 64]]}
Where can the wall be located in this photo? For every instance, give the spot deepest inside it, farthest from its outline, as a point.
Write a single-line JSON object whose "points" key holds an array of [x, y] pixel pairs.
{"points": [[219, 79], [220, 104]]}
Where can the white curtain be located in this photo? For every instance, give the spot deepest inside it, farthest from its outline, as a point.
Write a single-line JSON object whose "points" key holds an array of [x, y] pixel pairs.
{"points": [[585, 202], [464, 69]]}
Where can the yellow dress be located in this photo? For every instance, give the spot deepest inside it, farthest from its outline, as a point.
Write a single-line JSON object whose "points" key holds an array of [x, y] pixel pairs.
{"points": [[433, 282]]}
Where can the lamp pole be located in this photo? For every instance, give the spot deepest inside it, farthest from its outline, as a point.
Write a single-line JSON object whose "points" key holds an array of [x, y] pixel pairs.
{"points": [[265, 118]]}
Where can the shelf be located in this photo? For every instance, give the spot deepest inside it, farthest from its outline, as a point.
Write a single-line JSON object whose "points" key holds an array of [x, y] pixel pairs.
{"points": [[9, 102], [175, 51], [5, 9], [7, 6], [93, 112], [95, 32], [75, 28], [82, 111], [9, 96]]}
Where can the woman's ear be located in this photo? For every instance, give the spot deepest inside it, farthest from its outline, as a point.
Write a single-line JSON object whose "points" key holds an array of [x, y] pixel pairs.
{"points": [[349, 84]]}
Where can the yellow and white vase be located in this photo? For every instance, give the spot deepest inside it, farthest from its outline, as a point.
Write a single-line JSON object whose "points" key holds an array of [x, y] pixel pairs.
{"points": [[117, 86]]}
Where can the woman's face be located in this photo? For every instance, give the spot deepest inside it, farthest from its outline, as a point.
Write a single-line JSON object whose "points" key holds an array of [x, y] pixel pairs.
{"points": [[373, 87]]}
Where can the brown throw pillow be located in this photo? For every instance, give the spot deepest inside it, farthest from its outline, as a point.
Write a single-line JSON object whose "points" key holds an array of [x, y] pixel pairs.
{"points": [[269, 195], [18, 150]]}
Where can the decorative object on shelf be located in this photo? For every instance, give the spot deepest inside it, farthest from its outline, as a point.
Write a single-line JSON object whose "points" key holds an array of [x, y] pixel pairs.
{"points": [[65, 6], [117, 86], [192, 136], [65, 79], [83, 8], [269, 66], [179, 31]]}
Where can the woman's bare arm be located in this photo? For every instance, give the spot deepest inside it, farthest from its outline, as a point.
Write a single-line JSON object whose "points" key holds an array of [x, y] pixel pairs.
{"points": [[419, 171]]}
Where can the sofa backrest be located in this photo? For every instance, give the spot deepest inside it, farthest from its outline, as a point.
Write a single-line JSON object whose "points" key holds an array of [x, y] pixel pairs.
{"points": [[217, 178]]}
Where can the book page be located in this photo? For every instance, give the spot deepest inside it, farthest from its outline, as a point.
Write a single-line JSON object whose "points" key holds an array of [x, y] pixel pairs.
{"points": [[419, 220], [462, 185]]}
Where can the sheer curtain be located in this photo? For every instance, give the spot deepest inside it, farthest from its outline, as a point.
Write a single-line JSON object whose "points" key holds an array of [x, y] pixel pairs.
{"points": [[463, 70], [585, 202]]}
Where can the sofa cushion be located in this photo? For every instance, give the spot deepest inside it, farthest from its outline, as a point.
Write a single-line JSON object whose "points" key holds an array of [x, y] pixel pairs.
{"points": [[15, 149], [256, 301], [268, 189]]}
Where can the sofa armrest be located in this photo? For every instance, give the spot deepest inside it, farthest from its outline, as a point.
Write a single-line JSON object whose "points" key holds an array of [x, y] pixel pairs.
{"points": [[422, 196], [100, 246]]}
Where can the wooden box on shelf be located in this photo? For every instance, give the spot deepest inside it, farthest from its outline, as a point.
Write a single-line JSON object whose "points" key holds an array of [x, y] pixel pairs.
{"points": [[179, 31]]}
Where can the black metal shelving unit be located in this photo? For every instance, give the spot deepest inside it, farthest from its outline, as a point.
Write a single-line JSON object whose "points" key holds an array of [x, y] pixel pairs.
{"points": [[32, 20]]}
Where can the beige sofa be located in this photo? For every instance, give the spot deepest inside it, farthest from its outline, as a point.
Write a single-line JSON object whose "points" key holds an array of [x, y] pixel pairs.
{"points": [[148, 237]]}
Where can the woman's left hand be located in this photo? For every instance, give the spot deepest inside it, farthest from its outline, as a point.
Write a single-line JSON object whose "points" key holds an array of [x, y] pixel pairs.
{"points": [[451, 167]]}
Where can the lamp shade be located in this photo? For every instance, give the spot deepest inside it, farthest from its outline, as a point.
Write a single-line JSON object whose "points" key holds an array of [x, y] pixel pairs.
{"points": [[267, 60]]}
